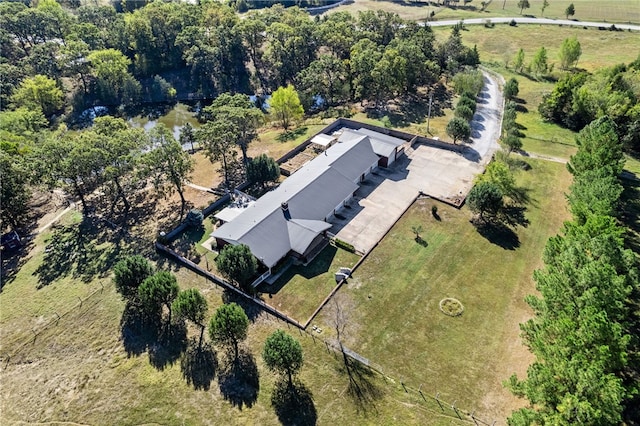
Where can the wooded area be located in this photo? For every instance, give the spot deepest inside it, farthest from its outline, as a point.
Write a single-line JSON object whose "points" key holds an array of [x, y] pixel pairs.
{"points": [[63, 66]]}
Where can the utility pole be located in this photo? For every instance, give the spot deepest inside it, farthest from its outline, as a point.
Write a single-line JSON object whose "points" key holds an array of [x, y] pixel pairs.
{"points": [[429, 113]]}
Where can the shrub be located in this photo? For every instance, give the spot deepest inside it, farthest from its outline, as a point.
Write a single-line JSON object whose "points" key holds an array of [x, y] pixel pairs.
{"points": [[513, 23], [345, 245], [464, 112], [194, 219], [386, 122], [468, 101], [511, 89]]}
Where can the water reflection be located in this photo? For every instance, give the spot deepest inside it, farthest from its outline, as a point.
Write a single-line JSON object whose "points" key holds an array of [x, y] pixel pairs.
{"points": [[174, 120]]}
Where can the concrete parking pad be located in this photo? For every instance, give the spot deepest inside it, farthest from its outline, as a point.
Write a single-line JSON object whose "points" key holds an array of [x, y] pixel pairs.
{"points": [[440, 173], [387, 193]]}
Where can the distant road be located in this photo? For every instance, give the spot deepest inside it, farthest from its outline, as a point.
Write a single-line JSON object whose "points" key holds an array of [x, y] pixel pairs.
{"points": [[523, 20]]}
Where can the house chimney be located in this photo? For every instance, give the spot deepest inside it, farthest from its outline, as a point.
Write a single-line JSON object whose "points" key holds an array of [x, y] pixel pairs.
{"points": [[285, 210]]}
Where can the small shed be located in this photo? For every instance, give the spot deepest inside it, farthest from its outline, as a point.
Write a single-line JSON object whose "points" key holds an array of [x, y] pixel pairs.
{"points": [[321, 141], [10, 241]]}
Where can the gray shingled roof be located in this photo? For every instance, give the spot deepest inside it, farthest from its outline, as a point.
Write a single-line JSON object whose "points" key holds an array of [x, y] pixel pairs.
{"points": [[382, 144], [311, 193]]}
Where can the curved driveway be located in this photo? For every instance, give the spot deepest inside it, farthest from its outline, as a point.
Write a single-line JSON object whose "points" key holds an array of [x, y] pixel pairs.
{"points": [[523, 20]]}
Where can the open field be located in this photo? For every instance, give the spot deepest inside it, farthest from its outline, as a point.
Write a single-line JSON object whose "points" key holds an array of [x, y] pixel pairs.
{"points": [[301, 289], [599, 48], [396, 322], [80, 369], [586, 10], [499, 45]]}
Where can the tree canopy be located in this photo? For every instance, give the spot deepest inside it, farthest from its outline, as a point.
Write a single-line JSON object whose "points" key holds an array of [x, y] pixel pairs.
{"points": [[570, 52], [157, 290], [237, 263], [229, 326], [262, 169], [581, 332], [283, 354], [485, 199], [459, 129], [191, 305], [285, 105], [129, 273]]}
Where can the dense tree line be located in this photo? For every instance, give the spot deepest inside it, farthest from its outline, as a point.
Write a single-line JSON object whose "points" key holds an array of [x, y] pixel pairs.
{"points": [[57, 62], [110, 58], [579, 98], [581, 334]]}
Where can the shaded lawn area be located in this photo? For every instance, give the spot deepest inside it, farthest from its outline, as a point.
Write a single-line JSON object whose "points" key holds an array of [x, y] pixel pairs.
{"points": [[301, 289], [68, 262], [396, 291]]}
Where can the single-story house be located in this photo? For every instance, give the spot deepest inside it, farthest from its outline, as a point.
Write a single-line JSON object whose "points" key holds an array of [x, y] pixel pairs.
{"points": [[293, 218], [386, 147]]}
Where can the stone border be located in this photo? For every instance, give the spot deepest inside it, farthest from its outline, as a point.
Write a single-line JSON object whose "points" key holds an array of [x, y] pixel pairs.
{"points": [[451, 299]]}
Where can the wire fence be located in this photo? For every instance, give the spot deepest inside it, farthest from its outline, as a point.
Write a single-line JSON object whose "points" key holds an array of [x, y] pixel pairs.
{"points": [[432, 401], [22, 342]]}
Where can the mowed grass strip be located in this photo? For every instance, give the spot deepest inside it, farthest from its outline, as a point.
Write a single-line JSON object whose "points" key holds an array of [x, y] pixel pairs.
{"points": [[301, 289], [397, 323]]}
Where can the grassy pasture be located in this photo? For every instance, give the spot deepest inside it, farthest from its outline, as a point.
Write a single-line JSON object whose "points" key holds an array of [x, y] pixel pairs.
{"points": [[499, 45], [396, 321], [79, 370], [586, 10]]}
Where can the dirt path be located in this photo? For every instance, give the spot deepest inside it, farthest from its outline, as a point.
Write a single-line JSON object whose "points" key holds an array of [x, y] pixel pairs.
{"points": [[544, 157]]}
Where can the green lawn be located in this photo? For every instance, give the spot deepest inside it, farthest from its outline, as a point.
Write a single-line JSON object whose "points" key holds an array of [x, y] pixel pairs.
{"points": [[275, 142], [501, 43], [397, 323], [301, 289]]}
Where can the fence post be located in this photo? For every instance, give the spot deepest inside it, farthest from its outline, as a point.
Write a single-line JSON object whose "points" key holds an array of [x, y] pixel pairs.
{"points": [[438, 401], [453, 406]]}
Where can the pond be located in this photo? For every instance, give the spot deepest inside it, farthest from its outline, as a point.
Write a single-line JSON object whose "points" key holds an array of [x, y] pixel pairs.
{"points": [[174, 120]]}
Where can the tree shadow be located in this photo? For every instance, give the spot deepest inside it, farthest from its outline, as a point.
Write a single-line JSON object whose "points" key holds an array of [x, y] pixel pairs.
{"points": [[79, 250], [198, 365], [294, 404], [520, 195], [514, 215], [252, 310], [12, 261], [521, 108], [362, 389], [170, 345], [418, 239], [499, 234], [138, 329], [290, 135], [238, 379]]}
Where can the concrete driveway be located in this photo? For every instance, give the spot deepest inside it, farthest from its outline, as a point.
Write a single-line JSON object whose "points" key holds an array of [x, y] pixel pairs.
{"points": [[440, 173]]}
